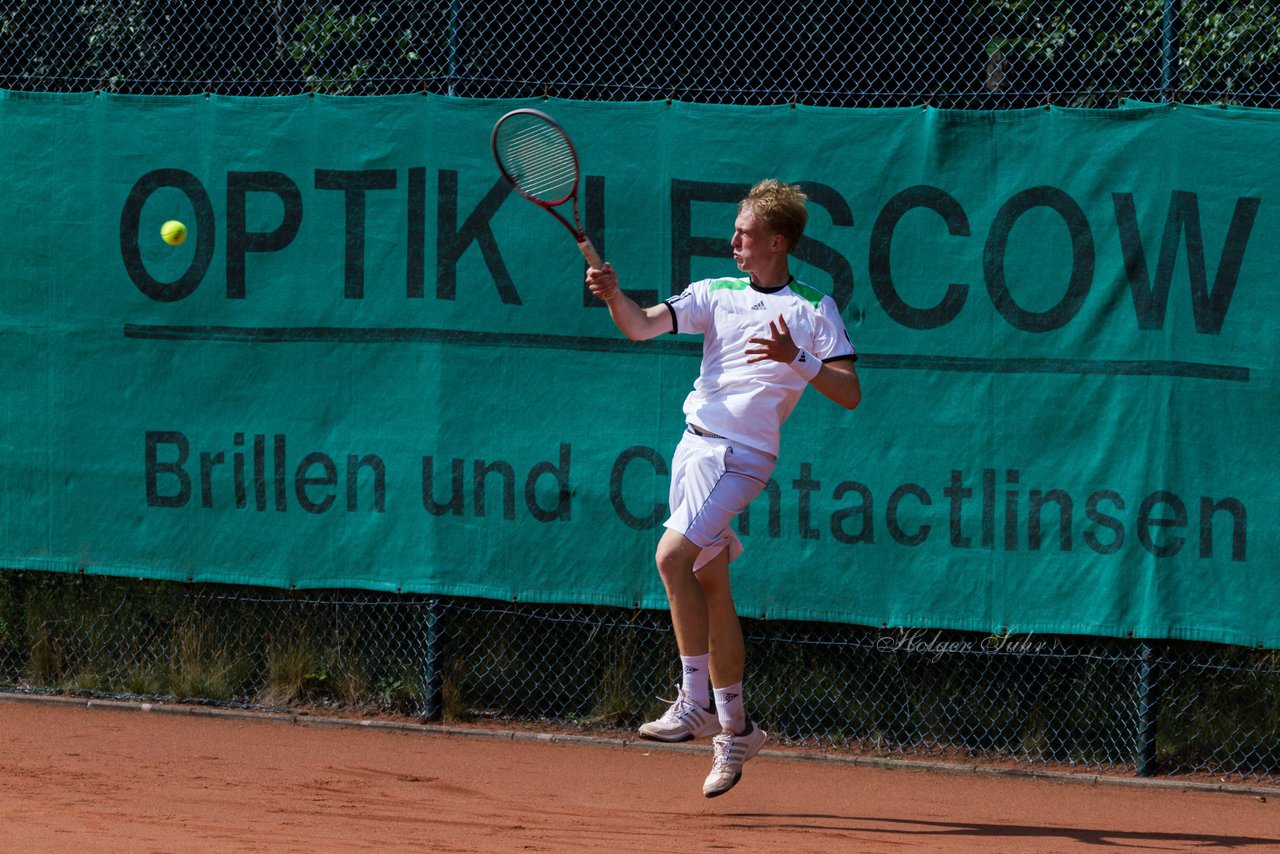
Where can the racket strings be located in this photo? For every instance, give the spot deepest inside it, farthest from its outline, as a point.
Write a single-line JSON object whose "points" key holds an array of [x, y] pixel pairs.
{"points": [[539, 160]]}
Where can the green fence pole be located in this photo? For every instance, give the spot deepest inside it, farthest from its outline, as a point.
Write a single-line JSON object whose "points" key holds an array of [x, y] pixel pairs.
{"points": [[1169, 48], [453, 47], [433, 662], [1148, 708]]}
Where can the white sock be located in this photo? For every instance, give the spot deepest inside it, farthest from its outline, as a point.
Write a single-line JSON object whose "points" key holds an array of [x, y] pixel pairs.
{"points": [[696, 681], [729, 708]]}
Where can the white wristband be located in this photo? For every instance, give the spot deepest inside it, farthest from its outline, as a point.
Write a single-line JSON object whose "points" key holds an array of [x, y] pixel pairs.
{"points": [[806, 365]]}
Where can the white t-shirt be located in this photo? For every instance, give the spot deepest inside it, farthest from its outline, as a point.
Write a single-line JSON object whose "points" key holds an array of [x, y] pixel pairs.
{"points": [[748, 402]]}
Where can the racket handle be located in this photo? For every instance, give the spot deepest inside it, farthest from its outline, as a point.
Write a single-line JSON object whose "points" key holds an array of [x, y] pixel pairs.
{"points": [[589, 252]]}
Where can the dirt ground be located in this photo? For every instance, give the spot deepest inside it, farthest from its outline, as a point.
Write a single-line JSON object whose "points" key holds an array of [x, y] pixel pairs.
{"points": [[92, 777]]}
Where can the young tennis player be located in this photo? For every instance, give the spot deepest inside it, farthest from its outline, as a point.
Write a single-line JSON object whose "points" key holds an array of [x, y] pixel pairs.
{"points": [[766, 337]]}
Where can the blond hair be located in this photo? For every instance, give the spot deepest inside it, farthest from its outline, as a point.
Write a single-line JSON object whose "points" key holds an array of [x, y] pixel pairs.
{"points": [[781, 206]]}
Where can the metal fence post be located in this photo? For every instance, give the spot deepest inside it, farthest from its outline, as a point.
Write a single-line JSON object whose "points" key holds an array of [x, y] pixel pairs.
{"points": [[1148, 708], [1169, 27], [453, 48], [433, 662]]}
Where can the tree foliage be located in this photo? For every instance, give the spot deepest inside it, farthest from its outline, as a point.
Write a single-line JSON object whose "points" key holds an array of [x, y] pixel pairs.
{"points": [[988, 53], [1166, 49]]}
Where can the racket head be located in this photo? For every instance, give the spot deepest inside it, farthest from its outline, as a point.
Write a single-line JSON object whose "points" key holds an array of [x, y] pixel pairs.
{"points": [[536, 157]]}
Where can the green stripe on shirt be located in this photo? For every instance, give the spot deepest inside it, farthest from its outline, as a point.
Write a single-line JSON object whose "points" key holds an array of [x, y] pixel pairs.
{"points": [[807, 293], [729, 284]]}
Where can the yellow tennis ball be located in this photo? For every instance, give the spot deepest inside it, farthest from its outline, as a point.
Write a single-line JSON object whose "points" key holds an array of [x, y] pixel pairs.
{"points": [[173, 232]]}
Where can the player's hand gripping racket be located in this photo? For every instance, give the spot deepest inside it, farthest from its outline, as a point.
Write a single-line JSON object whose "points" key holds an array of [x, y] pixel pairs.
{"points": [[536, 157]]}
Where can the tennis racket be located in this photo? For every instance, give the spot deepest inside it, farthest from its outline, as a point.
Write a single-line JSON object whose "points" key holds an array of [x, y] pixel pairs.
{"points": [[536, 157]]}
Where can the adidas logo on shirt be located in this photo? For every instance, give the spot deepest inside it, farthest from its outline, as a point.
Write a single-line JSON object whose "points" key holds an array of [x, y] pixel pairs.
{"points": [[758, 306]]}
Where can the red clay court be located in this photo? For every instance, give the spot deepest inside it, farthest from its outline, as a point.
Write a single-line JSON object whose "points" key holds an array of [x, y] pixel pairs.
{"points": [[107, 777]]}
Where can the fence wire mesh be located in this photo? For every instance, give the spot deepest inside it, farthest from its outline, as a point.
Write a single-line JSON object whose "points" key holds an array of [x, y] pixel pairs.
{"points": [[823, 52], [1080, 703]]}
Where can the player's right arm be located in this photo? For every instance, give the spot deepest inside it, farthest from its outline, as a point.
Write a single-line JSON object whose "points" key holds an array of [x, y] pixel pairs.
{"points": [[638, 324]]}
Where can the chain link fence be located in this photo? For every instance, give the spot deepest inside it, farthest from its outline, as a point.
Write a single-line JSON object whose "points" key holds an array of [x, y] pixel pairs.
{"points": [[1079, 703], [1167, 708], [1014, 53]]}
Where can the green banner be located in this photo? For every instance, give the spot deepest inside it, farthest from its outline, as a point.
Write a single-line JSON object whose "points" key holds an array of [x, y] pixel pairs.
{"points": [[370, 365]]}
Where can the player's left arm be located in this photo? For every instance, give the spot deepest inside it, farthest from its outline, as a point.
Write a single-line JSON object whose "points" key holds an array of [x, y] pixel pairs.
{"points": [[837, 379]]}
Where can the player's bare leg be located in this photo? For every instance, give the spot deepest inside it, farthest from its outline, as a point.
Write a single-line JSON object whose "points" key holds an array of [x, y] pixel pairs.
{"points": [[675, 558], [728, 652], [683, 719], [740, 739]]}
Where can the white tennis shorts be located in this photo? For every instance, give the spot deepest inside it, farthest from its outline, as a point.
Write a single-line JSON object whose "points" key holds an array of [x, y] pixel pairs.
{"points": [[712, 481]]}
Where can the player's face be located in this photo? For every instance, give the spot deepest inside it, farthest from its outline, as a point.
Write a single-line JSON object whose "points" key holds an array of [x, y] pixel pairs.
{"points": [[754, 243]]}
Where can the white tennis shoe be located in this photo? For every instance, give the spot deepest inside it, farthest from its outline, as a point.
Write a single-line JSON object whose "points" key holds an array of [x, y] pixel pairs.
{"points": [[682, 721], [730, 752]]}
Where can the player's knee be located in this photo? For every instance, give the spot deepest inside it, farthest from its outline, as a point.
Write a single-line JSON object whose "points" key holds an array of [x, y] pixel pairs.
{"points": [[668, 565], [673, 561]]}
